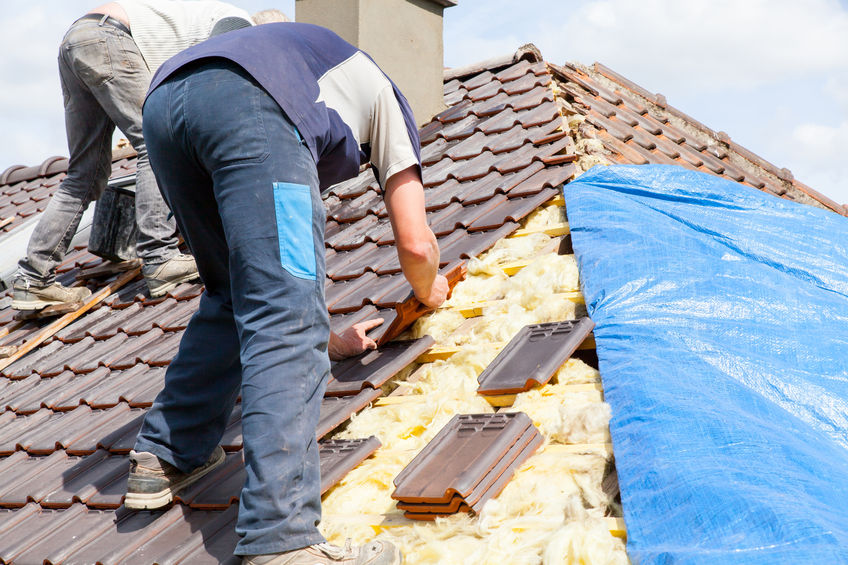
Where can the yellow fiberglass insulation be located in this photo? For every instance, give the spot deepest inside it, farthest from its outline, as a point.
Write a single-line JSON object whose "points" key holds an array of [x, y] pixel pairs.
{"points": [[545, 217], [552, 511], [369, 486], [576, 371], [409, 425], [564, 416], [440, 325], [507, 251], [534, 511], [455, 377], [585, 541]]}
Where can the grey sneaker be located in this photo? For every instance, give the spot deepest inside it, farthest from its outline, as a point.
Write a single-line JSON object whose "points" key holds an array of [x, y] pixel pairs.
{"points": [[374, 553], [166, 276], [153, 483], [28, 297]]}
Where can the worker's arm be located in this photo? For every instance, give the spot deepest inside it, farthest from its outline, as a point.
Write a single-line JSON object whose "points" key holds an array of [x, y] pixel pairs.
{"points": [[417, 248], [352, 341]]}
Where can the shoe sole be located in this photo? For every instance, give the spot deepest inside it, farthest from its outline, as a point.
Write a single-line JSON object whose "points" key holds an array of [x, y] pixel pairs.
{"points": [[35, 304], [154, 500], [162, 288]]}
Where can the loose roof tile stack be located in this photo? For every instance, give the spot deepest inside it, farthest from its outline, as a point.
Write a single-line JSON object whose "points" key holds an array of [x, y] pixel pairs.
{"points": [[70, 408], [636, 126], [468, 462]]}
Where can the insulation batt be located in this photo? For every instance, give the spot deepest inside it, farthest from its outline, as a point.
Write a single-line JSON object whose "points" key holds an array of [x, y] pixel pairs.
{"points": [[563, 416], [551, 511], [545, 217]]}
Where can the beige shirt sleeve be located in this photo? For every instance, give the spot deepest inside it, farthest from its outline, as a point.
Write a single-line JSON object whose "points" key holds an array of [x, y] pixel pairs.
{"points": [[391, 147]]}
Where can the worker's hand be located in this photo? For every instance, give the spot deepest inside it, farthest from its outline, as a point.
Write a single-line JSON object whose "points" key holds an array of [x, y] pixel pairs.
{"points": [[437, 294], [353, 340]]}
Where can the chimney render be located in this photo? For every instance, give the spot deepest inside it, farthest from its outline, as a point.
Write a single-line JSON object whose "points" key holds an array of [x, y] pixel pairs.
{"points": [[404, 37]]}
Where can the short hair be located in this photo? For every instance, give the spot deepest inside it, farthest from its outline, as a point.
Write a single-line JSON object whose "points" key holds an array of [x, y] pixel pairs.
{"points": [[269, 16], [228, 24]]}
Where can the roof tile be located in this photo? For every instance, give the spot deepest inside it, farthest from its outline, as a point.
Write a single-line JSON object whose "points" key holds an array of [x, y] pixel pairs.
{"points": [[459, 456], [373, 368], [71, 395], [532, 356], [336, 410], [134, 350], [119, 437], [339, 456], [514, 209], [486, 92], [465, 246], [479, 80], [33, 391]]}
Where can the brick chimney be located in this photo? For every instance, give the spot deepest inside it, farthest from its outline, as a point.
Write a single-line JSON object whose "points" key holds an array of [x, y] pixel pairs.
{"points": [[404, 37]]}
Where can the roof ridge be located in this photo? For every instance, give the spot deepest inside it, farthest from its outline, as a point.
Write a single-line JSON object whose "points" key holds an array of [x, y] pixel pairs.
{"points": [[719, 143], [527, 52]]}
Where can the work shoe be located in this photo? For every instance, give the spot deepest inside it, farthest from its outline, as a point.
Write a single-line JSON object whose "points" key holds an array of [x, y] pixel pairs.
{"points": [[166, 276], [373, 553], [25, 296], [153, 483]]}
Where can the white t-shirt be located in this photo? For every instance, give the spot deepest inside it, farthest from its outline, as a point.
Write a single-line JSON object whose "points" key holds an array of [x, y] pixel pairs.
{"points": [[163, 28]]}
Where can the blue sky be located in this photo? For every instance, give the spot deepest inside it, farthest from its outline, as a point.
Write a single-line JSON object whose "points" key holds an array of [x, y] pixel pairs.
{"points": [[773, 74]]}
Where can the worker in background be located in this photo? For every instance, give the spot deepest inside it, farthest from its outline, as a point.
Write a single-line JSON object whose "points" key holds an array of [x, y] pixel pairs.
{"points": [[106, 61], [244, 131]]}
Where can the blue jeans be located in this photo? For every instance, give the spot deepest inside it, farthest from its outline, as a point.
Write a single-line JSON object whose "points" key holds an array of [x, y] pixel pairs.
{"points": [[104, 79], [244, 190]]}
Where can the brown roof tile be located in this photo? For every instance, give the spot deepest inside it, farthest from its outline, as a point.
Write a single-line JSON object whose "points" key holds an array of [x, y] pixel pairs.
{"points": [[533, 355], [373, 368]]}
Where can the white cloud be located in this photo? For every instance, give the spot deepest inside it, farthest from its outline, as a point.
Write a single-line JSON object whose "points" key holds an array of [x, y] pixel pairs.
{"points": [[836, 86], [30, 95], [703, 44], [821, 150]]}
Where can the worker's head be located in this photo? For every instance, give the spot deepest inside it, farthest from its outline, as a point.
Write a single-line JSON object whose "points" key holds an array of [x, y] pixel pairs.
{"points": [[228, 24], [269, 16]]}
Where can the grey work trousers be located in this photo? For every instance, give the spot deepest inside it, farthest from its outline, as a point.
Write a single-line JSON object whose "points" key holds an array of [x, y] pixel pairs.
{"points": [[104, 82]]}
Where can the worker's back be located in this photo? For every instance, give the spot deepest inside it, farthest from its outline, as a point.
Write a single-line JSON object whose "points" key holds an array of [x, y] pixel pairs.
{"points": [[345, 108]]}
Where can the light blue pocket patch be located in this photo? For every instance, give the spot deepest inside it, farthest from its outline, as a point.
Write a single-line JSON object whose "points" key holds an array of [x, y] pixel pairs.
{"points": [[293, 205]]}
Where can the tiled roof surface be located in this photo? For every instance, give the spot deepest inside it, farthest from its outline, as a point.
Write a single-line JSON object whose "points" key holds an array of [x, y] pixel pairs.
{"points": [[25, 191], [636, 126], [70, 407]]}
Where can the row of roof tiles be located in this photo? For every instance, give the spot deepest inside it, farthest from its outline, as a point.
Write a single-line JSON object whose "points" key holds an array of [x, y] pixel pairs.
{"points": [[638, 127]]}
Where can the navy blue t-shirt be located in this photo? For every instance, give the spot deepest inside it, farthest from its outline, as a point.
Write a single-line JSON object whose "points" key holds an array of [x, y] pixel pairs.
{"points": [[346, 109]]}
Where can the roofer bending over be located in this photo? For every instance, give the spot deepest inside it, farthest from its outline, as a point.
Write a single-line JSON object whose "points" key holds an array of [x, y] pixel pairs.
{"points": [[244, 131], [106, 61]]}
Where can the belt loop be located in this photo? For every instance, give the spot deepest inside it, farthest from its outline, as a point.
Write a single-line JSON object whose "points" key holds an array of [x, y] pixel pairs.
{"points": [[103, 19]]}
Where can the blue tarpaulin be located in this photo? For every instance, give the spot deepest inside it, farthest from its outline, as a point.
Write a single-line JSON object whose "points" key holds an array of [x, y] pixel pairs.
{"points": [[721, 323]]}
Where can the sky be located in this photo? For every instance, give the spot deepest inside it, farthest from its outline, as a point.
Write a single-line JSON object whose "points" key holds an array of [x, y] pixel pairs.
{"points": [[773, 74]]}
